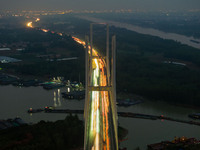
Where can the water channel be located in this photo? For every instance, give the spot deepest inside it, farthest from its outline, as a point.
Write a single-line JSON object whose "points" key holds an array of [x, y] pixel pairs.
{"points": [[191, 41], [15, 101]]}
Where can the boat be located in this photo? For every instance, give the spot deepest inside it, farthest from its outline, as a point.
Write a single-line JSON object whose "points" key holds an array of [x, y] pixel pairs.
{"points": [[194, 116], [54, 110], [52, 85], [9, 123], [74, 95], [194, 41], [127, 102], [31, 110], [2, 126]]}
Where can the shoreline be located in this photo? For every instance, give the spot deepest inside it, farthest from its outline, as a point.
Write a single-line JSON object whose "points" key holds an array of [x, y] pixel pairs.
{"points": [[124, 95], [120, 95], [149, 31]]}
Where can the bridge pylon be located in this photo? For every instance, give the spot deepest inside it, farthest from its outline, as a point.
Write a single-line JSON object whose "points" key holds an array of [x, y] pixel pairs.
{"points": [[100, 96]]}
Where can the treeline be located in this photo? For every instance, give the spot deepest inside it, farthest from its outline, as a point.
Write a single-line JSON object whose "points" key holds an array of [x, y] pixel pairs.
{"points": [[25, 35], [59, 135], [151, 45], [66, 23], [168, 82], [139, 72]]}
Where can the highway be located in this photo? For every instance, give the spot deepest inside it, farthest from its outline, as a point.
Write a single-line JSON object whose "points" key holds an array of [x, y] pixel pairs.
{"points": [[101, 133], [100, 126]]}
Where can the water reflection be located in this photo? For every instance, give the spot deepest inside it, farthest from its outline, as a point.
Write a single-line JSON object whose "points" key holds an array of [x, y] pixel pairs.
{"points": [[54, 99], [68, 89], [57, 98], [15, 102]]}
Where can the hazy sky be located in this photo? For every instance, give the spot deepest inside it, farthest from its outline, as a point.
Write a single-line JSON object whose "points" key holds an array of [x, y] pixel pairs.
{"points": [[99, 4]]}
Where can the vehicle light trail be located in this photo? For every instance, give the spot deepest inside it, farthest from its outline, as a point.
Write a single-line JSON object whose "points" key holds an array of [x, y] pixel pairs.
{"points": [[29, 24], [100, 127], [38, 19], [45, 30], [101, 121]]}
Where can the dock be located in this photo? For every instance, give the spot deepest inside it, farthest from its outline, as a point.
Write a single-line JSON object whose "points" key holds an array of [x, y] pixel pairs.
{"points": [[124, 114]]}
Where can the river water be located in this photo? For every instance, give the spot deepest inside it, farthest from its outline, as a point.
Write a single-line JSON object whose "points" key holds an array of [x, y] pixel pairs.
{"points": [[149, 31], [15, 101]]}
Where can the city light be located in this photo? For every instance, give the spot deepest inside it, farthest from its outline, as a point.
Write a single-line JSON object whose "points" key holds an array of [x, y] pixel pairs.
{"points": [[45, 30], [38, 19], [29, 24]]}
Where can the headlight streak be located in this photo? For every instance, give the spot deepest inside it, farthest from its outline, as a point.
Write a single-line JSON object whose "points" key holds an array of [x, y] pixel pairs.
{"points": [[99, 116], [99, 120]]}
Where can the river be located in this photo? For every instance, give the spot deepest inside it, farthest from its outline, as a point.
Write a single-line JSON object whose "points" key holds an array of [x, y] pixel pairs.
{"points": [[15, 101], [191, 41]]}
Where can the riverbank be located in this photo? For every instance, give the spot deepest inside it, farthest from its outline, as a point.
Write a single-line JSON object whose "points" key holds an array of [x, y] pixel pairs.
{"points": [[120, 114], [62, 134], [171, 36], [124, 95], [37, 97]]}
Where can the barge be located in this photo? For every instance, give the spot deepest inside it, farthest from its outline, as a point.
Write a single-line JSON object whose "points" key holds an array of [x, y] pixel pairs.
{"points": [[194, 116], [74, 95], [127, 102]]}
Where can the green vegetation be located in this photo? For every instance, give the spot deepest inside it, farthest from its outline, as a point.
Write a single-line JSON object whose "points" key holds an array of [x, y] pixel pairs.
{"points": [[140, 68], [40, 56], [11, 36], [59, 135]]}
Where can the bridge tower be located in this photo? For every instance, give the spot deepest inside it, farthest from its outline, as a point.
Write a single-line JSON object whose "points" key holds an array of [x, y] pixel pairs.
{"points": [[100, 96]]}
